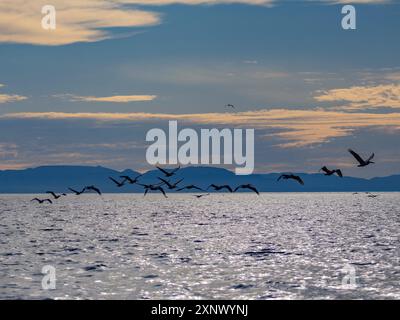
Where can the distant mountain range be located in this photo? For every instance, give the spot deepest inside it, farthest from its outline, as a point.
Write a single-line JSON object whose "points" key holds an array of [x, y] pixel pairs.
{"points": [[59, 178]]}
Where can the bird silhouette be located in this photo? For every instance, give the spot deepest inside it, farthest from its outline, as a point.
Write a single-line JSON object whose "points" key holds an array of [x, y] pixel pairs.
{"points": [[170, 172], [247, 186], [291, 176], [130, 180], [230, 105], [190, 187], [361, 161], [94, 189], [41, 201], [198, 196], [170, 185], [154, 188], [218, 188], [331, 172], [117, 183], [56, 196], [77, 193]]}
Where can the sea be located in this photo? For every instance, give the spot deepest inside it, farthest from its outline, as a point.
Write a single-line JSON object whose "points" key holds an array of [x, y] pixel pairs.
{"points": [[221, 246]]}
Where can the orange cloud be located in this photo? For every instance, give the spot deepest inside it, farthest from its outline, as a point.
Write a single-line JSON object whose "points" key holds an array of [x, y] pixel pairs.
{"points": [[297, 128], [364, 97]]}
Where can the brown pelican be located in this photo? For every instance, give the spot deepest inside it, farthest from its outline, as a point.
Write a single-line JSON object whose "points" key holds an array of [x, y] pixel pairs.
{"points": [[56, 196], [77, 193], [117, 183], [170, 185], [190, 187], [331, 172], [230, 106], [363, 163], [291, 176], [248, 186], [130, 180], [218, 188], [93, 188], [154, 188], [168, 173], [42, 201]]}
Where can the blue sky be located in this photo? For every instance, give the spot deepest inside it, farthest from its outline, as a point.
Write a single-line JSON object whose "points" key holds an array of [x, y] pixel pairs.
{"points": [[312, 88]]}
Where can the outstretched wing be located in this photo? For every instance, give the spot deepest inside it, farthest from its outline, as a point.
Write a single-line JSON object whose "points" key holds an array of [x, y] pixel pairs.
{"points": [[357, 156], [371, 157], [228, 187], [48, 200], [280, 177], [325, 169], [166, 182], [115, 181], [163, 171], [299, 180], [36, 199], [162, 191], [254, 189], [175, 170], [74, 191], [339, 173]]}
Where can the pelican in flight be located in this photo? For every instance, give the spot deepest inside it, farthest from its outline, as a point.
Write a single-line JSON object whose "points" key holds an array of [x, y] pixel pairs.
{"points": [[56, 196], [331, 172], [42, 201], [77, 193], [218, 188], [130, 180], [291, 176], [190, 187], [117, 183], [94, 189], [147, 188], [171, 186], [198, 196], [247, 186], [230, 106], [170, 172], [362, 162]]}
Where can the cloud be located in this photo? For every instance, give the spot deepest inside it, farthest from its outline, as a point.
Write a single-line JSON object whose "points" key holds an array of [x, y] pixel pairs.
{"points": [[363, 97], [81, 20], [295, 128], [113, 99]]}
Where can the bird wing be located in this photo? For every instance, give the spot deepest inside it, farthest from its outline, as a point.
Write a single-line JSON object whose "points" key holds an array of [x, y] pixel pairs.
{"points": [[197, 188], [145, 191], [163, 192], [228, 187], [237, 188], [36, 199], [254, 189], [95, 190], [357, 156], [280, 177], [48, 200], [297, 178], [175, 170], [74, 191], [325, 169], [371, 157], [115, 181], [126, 178], [166, 182], [339, 173], [162, 170]]}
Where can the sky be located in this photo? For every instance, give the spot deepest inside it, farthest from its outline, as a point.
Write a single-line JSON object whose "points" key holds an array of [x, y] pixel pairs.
{"points": [[87, 92]]}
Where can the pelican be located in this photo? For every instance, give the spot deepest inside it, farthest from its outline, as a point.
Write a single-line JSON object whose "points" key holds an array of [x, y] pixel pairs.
{"points": [[130, 180], [56, 196], [117, 183], [363, 163], [198, 196], [93, 188], [190, 187], [331, 172], [230, 106], [154, 188], [170, 185], [77, 193], [42, 201], [169, 173], [291, 176], [247, 186], [218, 188]]}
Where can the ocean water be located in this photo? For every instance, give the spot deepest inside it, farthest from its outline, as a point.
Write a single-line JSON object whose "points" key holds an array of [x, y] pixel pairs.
{"points": [[223, 246]]}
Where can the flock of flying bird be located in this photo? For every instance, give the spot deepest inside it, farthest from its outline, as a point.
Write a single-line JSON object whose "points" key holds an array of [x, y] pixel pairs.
{"points": [[167, 184]]}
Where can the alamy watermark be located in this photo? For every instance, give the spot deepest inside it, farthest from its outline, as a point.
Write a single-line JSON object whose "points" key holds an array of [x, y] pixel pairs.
{"points": [[49, 278], [205, 149], [49, 19]]}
